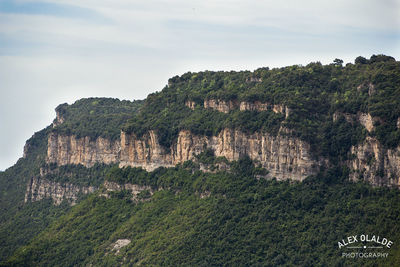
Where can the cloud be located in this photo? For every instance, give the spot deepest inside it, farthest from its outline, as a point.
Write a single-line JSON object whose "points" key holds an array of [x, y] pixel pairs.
{"points": [[50, 9]]}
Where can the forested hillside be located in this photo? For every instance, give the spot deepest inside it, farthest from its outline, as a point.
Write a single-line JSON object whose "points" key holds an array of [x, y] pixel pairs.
{"points": [[218, 219], [313, 93], [212, 140]]}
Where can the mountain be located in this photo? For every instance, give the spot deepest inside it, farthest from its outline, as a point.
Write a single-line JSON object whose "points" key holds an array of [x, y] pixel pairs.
{"points": [[270, 167]]}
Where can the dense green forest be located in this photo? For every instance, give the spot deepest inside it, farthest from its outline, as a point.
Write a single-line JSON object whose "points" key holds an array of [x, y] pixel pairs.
{"points": [[96, 117], [217, 218], [244, 221]]}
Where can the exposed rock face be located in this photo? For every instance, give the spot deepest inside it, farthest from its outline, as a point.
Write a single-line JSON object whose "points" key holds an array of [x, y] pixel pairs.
{"points": [[367, 86], [253, 79], [26, 150], [190, 104], [223, 106], [71, 150], [220, 105], [398, 123], [59, 119], [365, 119], [120, 243], [281, 109], [283, 157], [257, 105], [39, 188], [375, 164], [145, 152], [133, 188]]}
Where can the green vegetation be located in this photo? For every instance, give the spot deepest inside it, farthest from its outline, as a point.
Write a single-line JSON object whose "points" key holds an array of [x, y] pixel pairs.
{"points": [[25, 223], [96, 117], [244, 221], [313, 93], [233, 217], [77, 174], [20, 222]]}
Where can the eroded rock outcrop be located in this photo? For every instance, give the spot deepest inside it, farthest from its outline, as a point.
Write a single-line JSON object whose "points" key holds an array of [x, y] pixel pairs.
{"points": [[365, 119], [226, 106], [253, 79], [133, 188], [375, 164], [117, 245], [145, 152], [190, 104], [221, 105], [63, 150], [284, 157], [59, 119], [39, 188]]}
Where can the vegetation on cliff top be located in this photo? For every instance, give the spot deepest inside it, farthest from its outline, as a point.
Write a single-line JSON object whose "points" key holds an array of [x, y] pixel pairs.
{"points": [[313, 93], [96, 117]]}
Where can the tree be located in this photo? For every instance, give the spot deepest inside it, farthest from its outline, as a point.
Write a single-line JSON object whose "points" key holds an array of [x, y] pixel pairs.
{"points": [[338, 62], [361, 60]]}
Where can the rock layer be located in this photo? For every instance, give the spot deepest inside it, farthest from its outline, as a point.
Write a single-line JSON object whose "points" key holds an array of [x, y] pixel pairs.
{"points": [[220, 105], [65, 150], [133, 188], [39, 188], [284, 157], [226, 106], [365, 119], [375, 164]]}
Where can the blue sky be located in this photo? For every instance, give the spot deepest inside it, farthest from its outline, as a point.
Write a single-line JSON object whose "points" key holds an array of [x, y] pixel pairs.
{"points": [[57, 51]]}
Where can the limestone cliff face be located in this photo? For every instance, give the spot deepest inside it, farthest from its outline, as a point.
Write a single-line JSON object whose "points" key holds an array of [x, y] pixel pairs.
{"points": [[145, 152], [226, 106], [26, 150], [133, 188], [375, 164], [59, 119], [190, 104], [365, 119], [71, 150], [39, 188], [259, 106], [220, 105], [282, 156]]}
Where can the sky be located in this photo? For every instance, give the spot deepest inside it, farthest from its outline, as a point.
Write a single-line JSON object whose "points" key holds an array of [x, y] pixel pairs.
{"points": [[58, 51]]}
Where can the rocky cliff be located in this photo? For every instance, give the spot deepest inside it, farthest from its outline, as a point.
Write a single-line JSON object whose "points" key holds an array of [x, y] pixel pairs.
{"points": [[226, 106], [284, 157], [375, 164], [134, 189], [39, 188], [64, 150], [365, 119]]}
